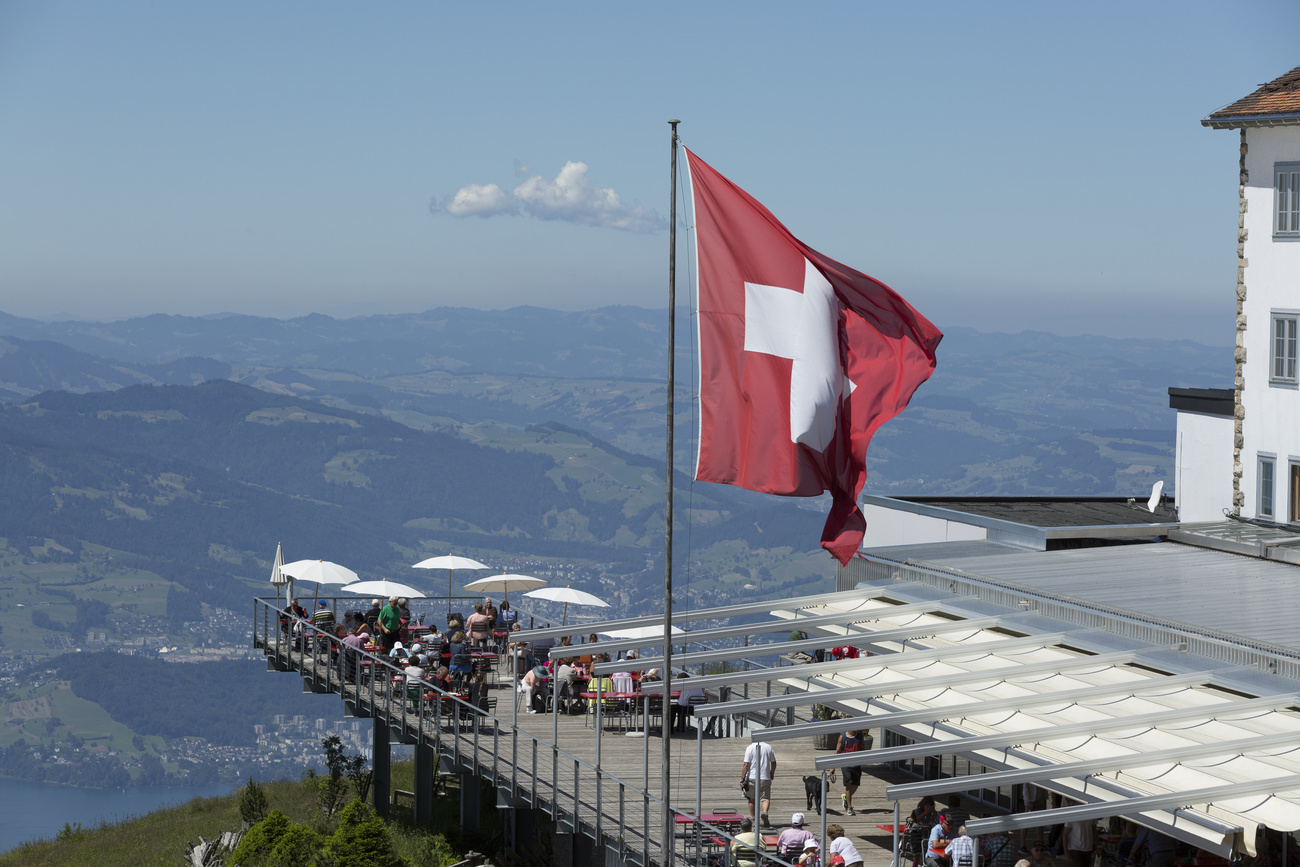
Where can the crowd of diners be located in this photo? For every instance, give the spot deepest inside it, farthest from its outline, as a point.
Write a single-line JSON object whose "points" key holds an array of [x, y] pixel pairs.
{"points": [[441, 658]]}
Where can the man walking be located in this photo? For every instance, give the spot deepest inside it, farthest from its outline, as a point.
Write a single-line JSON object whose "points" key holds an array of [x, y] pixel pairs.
{"points": [[760, 762]]}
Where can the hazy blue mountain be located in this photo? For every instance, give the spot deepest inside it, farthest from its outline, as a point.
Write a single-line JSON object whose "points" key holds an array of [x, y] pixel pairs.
{"points": [[1027, 413]]}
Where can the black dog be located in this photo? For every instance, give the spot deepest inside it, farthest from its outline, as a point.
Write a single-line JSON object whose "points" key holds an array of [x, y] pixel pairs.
{"points": [[812, 788]]}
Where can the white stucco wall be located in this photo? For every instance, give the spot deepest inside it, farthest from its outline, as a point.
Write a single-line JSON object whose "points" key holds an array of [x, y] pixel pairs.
{"points": [[895, 527], [1203, 466], [1272, 413]]}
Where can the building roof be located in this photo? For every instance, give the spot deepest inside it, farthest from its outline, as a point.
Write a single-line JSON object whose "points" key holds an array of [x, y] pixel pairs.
{"points": [[1274, 103], [1051, 512], [1215, 593]]}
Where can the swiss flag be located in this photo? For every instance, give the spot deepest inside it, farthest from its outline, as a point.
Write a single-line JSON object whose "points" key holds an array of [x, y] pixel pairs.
{"points": [[802, 359]]}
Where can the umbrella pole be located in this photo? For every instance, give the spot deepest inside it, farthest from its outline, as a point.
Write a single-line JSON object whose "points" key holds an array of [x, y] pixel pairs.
{"points": [[565, 620]]}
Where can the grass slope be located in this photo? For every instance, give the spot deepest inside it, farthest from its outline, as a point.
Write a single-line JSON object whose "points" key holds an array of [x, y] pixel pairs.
{"points": [[160, 838]]}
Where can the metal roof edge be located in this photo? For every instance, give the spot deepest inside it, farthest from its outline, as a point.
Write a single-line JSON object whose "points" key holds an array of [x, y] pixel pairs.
{"points": [[1009, 532], [1008, 527], [1289, 118]]}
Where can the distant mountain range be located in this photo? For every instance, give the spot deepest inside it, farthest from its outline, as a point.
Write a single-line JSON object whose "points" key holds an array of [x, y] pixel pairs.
{"points": [[1015, 414]]}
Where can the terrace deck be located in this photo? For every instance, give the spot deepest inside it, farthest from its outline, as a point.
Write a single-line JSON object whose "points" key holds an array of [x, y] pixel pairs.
{"points": [[527, 767]]}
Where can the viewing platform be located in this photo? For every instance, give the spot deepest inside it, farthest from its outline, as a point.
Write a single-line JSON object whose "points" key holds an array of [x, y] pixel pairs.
{"points": [[603, 790]]}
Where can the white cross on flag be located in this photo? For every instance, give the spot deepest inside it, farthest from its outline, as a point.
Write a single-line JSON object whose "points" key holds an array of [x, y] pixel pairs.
{"points": [[802, 359]]}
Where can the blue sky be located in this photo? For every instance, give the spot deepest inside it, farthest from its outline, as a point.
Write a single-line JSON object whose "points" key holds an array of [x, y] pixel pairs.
{"points": [[1002, 165]]}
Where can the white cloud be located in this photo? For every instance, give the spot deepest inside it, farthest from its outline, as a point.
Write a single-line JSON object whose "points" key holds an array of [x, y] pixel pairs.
{"points": [[571, 197], [479, 200]]}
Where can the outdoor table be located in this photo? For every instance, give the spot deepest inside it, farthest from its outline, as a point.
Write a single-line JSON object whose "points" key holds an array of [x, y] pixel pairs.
{"points": [[636, 700]]}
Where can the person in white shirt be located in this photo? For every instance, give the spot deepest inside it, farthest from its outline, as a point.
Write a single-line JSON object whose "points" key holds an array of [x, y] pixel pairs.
{"points": [[759, 755], [842, 846]]}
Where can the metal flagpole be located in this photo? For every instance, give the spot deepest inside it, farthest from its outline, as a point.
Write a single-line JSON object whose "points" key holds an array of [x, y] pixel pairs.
{"points": [[668, 504]]}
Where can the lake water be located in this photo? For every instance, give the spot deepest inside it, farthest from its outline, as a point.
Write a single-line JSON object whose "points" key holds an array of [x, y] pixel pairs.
{"points": [[32, 810]]}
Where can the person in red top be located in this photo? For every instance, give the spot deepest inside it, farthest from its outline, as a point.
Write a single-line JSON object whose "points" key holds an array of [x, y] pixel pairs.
{"points": [[844, 652]]}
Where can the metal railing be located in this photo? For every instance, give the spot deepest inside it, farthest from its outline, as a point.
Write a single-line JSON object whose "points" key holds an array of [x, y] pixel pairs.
{"points": [[580, 797]]}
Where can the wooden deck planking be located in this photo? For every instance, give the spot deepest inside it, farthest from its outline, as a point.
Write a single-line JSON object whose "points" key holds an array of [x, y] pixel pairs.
{"points": [[622, 757], [625, 758]]}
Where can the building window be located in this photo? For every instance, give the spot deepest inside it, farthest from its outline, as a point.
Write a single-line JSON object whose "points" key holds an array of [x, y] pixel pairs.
{"points": [[1284, 348], [1293, 491], [1287, 221], [1267, 475]]}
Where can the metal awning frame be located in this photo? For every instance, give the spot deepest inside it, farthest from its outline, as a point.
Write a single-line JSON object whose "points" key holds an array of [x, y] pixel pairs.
{"points": [[830, 693], [1172, 683], [902, 634], [769, 626], [1175, 802], [874, 664], [1080, 770], [1002, 740], [680, 617]]}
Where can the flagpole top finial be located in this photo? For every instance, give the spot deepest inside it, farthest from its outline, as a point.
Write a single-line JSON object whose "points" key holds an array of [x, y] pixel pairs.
{"points": [[674, 121]]}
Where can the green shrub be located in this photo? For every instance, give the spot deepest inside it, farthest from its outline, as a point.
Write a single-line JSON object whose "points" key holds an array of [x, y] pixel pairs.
{"points": [[297, 848], [361, 840], [261, 839]]}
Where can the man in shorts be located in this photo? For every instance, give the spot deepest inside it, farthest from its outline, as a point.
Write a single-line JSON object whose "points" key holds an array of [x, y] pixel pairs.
{"points": [[760, 761]]}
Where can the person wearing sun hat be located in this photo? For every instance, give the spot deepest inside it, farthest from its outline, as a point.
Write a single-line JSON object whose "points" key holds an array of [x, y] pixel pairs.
{"points": [[534, 682], [812, 855]]}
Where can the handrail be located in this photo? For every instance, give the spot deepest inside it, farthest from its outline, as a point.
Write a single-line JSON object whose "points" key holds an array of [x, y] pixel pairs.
{"points": [[380, 703]]}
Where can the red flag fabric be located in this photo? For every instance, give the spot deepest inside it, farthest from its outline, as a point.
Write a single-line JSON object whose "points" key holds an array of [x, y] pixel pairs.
{"points": [[802, 359]]}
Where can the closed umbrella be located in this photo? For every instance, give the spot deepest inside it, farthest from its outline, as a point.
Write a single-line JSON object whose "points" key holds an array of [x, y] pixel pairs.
{"points": [[567, 595], [278, 578], [449, 562]]}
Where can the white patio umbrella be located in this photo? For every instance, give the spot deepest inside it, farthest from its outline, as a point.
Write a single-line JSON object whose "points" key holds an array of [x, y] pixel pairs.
{"points": [[656, 631], [449, 562], [384, 589], [504, 584], [318, 572], [567, 595]]}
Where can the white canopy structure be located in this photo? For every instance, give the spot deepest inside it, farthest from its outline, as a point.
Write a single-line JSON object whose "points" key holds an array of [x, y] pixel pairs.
{"points": [[1193, 733]]}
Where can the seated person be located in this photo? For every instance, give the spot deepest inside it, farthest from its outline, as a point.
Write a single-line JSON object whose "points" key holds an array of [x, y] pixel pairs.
{"points": [[508, 617], [491, 611], [462, 664], [936, 848], [372, 616], [479, 626], [323, 618], [747, 845], [566, 691], [293, 612], [478, 691], [789, 845], [684, 706], [414, 671]]}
